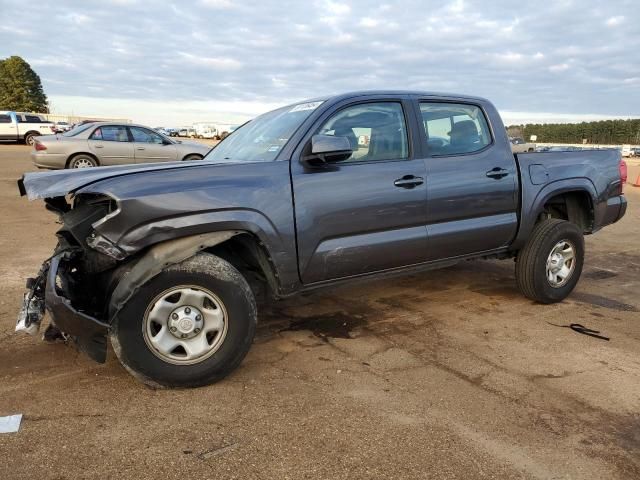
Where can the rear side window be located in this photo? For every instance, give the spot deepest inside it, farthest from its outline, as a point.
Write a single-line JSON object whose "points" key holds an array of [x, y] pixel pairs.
{"points": [[110, 133], [454, 128], [376, 131], [5, 119]]}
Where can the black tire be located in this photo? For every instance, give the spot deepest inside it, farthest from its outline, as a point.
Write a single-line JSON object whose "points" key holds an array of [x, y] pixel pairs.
{"points": [[82, 160], [30, 138], [207, 272], [192, 157], [531, 263]]}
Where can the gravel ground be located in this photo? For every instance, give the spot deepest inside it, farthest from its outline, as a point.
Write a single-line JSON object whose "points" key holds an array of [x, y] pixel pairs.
{"points": [[446, 374]]}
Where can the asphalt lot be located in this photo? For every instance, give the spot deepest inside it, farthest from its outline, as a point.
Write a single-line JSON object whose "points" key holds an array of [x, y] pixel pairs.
{"points": [[446, 374]]}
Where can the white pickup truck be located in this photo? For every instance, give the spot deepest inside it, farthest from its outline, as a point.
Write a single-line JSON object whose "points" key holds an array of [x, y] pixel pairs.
{"points": [[23, 127]]}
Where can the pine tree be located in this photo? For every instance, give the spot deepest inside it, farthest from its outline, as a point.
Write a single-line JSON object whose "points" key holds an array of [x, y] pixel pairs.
{"points": [[20, 87]]}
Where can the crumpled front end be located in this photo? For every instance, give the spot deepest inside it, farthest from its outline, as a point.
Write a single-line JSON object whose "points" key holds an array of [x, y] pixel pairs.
{"points": [[74, 285], [50, 290]]}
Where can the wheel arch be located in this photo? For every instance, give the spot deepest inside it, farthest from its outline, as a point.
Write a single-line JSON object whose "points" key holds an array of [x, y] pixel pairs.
{"points": [[242, 249], [534, 203], [575, 206]]}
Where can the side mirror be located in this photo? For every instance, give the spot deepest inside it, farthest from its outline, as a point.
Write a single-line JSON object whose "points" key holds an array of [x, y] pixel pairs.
{"points": [[327, 149]]}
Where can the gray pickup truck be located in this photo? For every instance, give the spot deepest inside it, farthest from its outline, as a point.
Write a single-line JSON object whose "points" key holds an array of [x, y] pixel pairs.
{"points": [[166, 259]]}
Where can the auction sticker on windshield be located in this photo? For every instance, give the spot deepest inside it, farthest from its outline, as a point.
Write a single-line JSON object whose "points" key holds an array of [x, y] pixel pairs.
{"points": [[305, 106]]}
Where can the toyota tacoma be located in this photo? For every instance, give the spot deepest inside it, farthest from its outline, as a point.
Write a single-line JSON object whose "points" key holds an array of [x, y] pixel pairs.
{"points": [[166, 260]]}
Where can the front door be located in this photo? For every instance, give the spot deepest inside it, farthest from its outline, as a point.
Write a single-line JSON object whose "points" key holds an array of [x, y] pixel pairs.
{"points": [[151, 147], [367, 213], [111, 145], [471, 182]]}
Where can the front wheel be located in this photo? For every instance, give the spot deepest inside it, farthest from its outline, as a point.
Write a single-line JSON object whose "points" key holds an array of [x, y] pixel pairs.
{"points": [[549, 266], [192, 157], [189, 326]]}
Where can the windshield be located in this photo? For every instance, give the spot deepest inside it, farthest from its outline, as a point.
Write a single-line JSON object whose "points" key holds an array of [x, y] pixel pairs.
{"points": [[261, 139], [75, 131]]}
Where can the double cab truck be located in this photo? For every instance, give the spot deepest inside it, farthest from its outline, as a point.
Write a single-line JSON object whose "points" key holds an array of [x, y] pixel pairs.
{"points": [[24, 127], [166, 260]]}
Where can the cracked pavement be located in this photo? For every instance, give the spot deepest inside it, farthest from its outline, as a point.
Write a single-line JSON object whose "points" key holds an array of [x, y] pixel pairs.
{"points": [[443, 374]]}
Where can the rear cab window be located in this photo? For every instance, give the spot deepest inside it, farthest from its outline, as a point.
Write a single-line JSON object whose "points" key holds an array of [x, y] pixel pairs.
{"points": [[5, 119], [454, 128]]}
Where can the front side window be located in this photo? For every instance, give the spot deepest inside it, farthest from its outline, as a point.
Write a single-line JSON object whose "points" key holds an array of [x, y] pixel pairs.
{"points": [[110, 133], [376, 131], [454, 128], [32, 119], [142, 135]]}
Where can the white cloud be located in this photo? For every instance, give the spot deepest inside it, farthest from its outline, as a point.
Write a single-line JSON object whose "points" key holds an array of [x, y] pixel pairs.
{"points": [[368, 22], [223, 4], [216, 63], [614, 21], [560, 67]]}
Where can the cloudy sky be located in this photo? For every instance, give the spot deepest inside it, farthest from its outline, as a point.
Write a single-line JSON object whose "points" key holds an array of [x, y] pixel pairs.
{"points": [[165, 63]]}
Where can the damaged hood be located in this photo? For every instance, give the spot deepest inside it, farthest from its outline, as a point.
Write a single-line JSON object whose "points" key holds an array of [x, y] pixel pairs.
{"points": [[62, 182]]}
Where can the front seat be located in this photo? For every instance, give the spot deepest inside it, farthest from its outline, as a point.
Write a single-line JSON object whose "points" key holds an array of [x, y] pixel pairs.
{"points": [[464, 137]]}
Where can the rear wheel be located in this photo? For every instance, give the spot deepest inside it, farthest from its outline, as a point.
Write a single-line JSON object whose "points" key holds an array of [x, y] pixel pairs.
{"points": [[191, 325], [549, 266], [30, 138], [192, 157], [83, 161]]}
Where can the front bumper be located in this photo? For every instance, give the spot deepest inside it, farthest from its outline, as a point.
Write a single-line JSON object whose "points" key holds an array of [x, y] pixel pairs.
{"points": [[90, 334]]}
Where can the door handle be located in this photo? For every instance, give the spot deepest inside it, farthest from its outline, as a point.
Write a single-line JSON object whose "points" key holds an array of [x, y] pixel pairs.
{"points": [[408, 181], [99, 146], [139, 148], [497, 173]]}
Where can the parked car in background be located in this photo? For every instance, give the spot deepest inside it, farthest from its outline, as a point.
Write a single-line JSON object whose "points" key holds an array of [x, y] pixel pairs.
{"points": [[518, 145], [626, 150], [105, 143], [183, 132], [172, 132], [204, 130], [62, 127], [635, 152], [164, 259], [23, 127]]}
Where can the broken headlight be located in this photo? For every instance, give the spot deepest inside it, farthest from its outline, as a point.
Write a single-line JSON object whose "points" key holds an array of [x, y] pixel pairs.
{"points": [[103, 245]]}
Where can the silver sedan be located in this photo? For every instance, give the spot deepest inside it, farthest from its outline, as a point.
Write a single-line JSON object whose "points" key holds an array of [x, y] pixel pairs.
{"points": [[106, 143]]}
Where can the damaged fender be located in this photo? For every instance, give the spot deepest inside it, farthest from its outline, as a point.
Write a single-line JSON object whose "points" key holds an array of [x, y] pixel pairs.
{"points": [[158, 258]]}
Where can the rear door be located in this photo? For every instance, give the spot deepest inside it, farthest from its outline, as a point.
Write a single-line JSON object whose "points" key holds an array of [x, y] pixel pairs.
{"points": [[151, 147], [111, 145], [368, 213], [8, 127], [471, 181]]}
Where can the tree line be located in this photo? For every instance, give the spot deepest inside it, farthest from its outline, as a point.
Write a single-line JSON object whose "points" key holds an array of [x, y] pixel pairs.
{"points": [[608, 132]]}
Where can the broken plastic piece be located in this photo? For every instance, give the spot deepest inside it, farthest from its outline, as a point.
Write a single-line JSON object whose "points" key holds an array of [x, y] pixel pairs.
{"points": [[10, 424], [30, 315]]}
